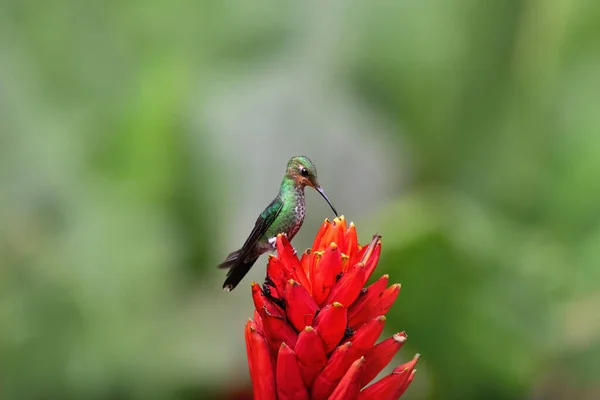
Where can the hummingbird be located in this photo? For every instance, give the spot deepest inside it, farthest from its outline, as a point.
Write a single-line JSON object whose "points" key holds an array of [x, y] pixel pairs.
{"points": [[284, 215]]}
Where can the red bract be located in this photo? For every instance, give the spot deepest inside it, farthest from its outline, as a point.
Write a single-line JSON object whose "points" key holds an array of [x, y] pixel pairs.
{"points": [[315, 326]]}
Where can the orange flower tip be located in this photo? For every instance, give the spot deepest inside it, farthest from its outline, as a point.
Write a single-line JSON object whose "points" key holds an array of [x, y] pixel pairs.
{"points": [[280, 235], [326, 221], [400, 337], [292, 282], [319, 253], [337, 304], [271, 256], [307, 251], [283, 345], [386, 276], [344, 256], [333, 246], [309, 328], [381, 318], [351, 224], [396, 286]]}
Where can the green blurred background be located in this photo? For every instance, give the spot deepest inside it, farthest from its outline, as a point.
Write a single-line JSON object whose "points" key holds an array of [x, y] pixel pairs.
{"points": [[139, 141]]}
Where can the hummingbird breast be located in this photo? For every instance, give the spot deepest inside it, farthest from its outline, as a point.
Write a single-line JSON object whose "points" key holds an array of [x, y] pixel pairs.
{"points": [[299, 212], [291, 217]]}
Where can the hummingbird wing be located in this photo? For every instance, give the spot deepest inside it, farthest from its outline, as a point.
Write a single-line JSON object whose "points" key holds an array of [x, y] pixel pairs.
{"points": [[264, 220], [242, 260]]}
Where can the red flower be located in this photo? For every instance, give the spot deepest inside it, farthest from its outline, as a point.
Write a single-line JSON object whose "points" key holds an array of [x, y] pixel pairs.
{"points": [[314, 329]]}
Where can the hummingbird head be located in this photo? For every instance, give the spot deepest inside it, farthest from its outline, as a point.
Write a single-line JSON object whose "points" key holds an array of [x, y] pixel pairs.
{"points": [[304, 173]]}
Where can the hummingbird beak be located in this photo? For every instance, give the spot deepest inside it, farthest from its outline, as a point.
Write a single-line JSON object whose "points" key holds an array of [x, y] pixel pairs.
{"points": [[322, 192]]}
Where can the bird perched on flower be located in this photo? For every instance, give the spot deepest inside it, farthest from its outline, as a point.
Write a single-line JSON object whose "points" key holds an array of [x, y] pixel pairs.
{"points": [[284, 215]]}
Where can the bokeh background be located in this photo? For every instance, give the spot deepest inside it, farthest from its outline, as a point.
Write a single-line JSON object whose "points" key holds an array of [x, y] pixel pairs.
{"points": [[139, 141]]}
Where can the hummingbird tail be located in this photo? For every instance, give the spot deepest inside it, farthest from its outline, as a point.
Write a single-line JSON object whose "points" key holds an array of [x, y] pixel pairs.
{"points": [[238, 270], [230, 260]]}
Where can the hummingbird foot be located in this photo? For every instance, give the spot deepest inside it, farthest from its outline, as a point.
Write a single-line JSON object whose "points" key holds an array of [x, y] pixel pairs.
{"points": [[273, 242]]}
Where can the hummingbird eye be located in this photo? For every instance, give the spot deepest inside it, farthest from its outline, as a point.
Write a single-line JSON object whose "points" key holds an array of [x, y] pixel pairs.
{"points": [[303, 171]]}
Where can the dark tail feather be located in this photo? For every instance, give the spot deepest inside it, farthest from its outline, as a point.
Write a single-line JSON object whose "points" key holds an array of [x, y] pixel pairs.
{"points": [[237, 272], [230, 260]]}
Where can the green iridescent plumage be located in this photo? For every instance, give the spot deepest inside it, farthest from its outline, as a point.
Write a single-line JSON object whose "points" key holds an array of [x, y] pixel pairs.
{"points": [[285, 214]]}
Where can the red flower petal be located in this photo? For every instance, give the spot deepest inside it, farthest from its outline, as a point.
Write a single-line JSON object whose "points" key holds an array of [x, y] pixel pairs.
{"points": [[306, 262], [351, 240], [331, 325], [277, 330], [277, 273], [393, 385], [371, 256], [258, 323], [343, 226], [388, 298], [260, 365], [327, 238], [364, 338], [287, 255], [380, 356], [348, 287], [349, 386], [300, 307], [351, 246], [328, 378], [408, 366], [384, 389], [362, 309], [325, 227], [326, 271], [289, 380], [358, 255], [311, 355], [339, 232], [261, 302], [405, 386], [345, 266], [315, 258]]}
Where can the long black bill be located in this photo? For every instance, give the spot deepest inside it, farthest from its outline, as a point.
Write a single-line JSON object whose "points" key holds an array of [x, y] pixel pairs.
{"points": [[320, 190]]}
